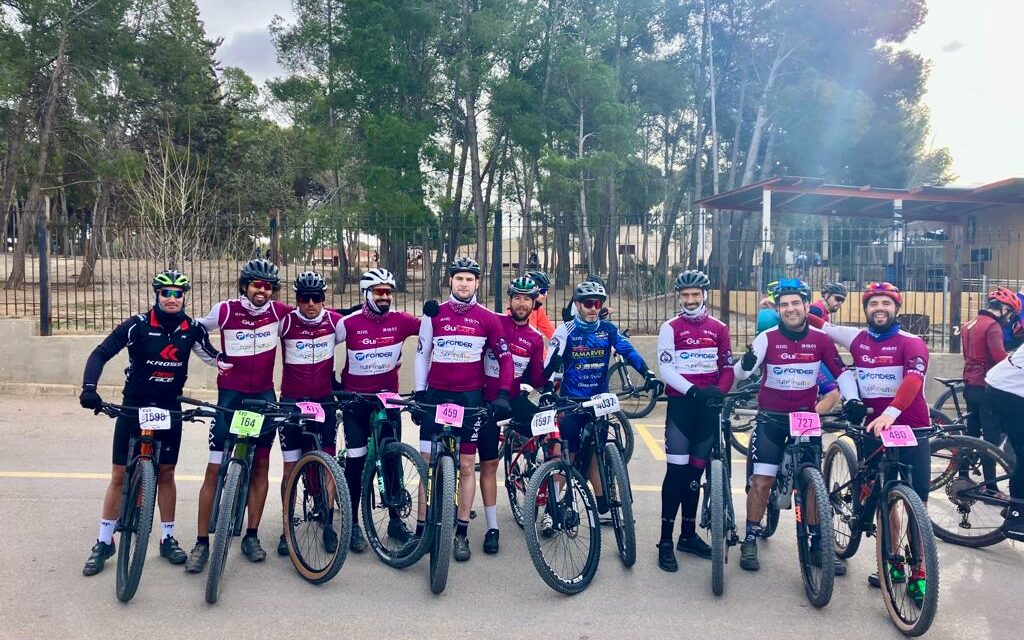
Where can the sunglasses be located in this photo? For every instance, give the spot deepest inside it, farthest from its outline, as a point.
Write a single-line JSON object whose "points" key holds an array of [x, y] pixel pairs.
{"points": [[262, 284], [381, 291], [592, 304], [543, 292], [309, 297], [172, 293], [839, 299]]}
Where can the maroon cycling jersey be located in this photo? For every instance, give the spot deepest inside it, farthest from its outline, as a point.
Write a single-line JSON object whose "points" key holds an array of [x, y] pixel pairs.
{"points": [[450, 351], [694, 352], [248, 337], [982, 346], [307, 351], [820, 309], [374, 349], [526, 346], [790, 363]]}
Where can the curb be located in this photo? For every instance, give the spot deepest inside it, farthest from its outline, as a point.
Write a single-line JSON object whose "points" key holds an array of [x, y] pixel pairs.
{"points": [[38, 389]]}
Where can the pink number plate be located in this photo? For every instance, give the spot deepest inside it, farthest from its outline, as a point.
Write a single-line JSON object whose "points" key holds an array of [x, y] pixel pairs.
{"points": [[899, 435], [804, 423], [384, 397], [449, 413], [313, 408]]}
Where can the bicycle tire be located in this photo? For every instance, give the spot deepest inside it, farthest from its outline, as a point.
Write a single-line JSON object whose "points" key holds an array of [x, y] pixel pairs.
{"points": [[842, 501], [575, 487], [377, 508], [772, 515], [519, 465], [944, 422], [134, 539], [923, 526], [443, 506], [620, 431], [620, 503], [965, 453], [717, 489], [314, 569], [818, 581], [620, 381], [947, 395], [225, 530]]}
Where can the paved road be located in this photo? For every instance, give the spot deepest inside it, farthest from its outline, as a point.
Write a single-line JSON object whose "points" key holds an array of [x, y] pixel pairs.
{"points": [[53, 465]]}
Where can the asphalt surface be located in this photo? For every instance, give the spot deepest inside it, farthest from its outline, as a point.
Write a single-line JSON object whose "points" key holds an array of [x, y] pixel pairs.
{"points": [[53, 467]]}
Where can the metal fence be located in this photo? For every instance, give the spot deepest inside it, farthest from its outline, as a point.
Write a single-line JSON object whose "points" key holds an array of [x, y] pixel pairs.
{"points": [[96, 277]]}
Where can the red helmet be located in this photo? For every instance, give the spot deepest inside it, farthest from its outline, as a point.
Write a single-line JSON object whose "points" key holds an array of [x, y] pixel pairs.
{"points": [[886, 289], [1007, 297]]}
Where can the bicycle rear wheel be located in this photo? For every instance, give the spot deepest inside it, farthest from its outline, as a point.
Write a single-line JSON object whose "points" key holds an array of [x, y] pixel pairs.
{"points": [[442, 518], [560, 521], [519, 464], [318, 517], [962, 508], [911, 601], [138, 523], [230, 495], [392, 488], [620, 503], [624, 379], [817, 558], [839, 471], [620, 431], [772, 515], [716, 498]]}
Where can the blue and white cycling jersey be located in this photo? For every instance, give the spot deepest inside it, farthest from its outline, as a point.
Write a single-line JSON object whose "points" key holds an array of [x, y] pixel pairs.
{"points": [[585, 353]]}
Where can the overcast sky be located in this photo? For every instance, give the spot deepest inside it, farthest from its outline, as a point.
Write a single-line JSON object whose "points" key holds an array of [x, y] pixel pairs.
{"points": [[975, 92]]}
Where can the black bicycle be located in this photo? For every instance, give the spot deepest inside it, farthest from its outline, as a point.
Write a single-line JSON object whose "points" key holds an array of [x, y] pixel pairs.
{"points": [[138, 496], [564, 548], [638, 400], [868, 497]]}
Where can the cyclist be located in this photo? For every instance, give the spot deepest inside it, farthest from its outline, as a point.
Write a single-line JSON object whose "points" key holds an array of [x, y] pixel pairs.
{"points": [[373, 335], [539, 319], [891, 365], [1006, 388], [449, 367], [695, 362], [790, 357], [833, 295], [249, 328], [767, 316], [983, 348], [526, 346], [571, 310], [582, 348], [309, 335], [158, 343]]}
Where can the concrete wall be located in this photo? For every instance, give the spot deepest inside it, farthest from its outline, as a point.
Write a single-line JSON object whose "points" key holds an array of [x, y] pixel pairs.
{"points": [[35, 364]]}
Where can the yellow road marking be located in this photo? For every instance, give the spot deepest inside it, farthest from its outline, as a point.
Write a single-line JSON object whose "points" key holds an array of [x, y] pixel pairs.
{"points": [[652, 444]]}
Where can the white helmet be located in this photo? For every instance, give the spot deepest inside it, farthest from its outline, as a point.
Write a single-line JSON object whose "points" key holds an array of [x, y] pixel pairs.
{"points": [[374, 277]]}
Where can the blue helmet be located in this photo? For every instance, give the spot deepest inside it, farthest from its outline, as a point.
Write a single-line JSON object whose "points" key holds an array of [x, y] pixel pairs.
{"points": [[790, 286]]}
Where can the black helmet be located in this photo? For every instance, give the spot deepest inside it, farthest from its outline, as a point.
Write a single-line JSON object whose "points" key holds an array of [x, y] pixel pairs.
{"points": [[593, 277], [259, 269], [834, 289], [309, 283], [171, 278], [588, 290], [523, 286], [464, 264], [540, 278], [692, 279]]}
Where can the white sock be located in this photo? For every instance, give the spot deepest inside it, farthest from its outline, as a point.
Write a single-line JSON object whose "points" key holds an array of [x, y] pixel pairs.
{"points": [[168, 528], [492, 516], [106, 535]]}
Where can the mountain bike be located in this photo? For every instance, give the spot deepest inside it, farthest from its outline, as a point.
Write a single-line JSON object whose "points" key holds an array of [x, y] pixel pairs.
{"points": [[636, 399]]}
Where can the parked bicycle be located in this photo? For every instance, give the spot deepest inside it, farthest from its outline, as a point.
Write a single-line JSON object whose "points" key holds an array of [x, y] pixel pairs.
{"points": [[636, 400]]}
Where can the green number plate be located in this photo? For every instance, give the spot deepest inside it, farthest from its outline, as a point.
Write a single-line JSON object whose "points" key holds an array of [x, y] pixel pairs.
{"points": [[246, 423]]}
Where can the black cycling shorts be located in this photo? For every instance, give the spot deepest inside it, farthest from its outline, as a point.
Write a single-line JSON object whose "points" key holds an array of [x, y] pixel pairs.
{"points": [[690, 428], [768, 446], [356, 419], [919, 457], [126, 428], [231, 399], [293, 443], [470, 430], [522, 412]]}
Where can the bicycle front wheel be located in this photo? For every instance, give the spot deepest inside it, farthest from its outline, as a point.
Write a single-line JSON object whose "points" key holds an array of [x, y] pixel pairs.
{"points": [[442, 518], [716, 498], [817, 557], [839, 471], [966, 507], [231, 493], [392, 489], [620, 430], [772, 515], [317, 517], [137, 525], [560, 521], [620, 503], [626, 381], [909, 567]]}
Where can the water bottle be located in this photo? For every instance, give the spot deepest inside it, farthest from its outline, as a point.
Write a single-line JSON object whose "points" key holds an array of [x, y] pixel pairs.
{"points": [[784, 481]]}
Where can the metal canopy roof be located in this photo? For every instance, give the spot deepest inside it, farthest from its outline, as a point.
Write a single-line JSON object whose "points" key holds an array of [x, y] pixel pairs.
{"points": [[794, 194]]}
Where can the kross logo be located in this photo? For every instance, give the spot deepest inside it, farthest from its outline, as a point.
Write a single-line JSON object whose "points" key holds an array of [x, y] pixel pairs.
{"points": [[170, 352]]}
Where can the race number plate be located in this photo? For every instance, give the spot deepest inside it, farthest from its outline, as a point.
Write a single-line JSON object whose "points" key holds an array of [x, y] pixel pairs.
{"points": [[607, 403], [154, 419], [899, 435], [804, 423], [543, 423], [450, 414], [312, 408], [247, 424], [384, 397]]}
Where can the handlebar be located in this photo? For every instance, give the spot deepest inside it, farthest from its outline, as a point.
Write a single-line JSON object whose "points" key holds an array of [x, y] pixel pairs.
{"points": [[116, 411]]}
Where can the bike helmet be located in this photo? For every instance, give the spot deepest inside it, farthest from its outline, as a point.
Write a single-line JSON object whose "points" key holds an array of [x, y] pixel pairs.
{"points": [[376, 276], [1006, 297], [309, 283], [259, 269], [540, 278], [523, 286], [886, 289], [790, 286], [692, 279], [588, 290], [171, 278], [834, 289], [593, 277], [464, 264], [771, 290]]}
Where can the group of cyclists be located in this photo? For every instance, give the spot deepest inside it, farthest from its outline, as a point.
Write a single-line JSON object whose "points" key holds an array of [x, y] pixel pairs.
{"points": [[473, 357]]}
